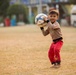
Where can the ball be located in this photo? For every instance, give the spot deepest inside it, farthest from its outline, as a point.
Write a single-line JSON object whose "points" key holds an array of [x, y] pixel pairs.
{"points": [[39, 20]]}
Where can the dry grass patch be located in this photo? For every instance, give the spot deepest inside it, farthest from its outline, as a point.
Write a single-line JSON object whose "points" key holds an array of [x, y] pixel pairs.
{"points": [[23, 51]]}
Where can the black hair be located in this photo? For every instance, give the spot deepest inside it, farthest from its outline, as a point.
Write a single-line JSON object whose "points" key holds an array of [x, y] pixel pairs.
{"points": [[53, 12]]}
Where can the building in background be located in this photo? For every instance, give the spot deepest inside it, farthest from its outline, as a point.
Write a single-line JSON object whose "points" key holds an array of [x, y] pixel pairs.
{"points": [[38, 6], [73, 16], [34, 6]]}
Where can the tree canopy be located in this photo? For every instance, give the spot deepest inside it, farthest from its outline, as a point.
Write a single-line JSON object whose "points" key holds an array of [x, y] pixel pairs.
{"points": [[18, 9], [4, 4], [72, 1]]}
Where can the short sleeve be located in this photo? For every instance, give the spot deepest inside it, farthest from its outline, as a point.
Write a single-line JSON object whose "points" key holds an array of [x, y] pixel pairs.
{"points": [[56, 25]]}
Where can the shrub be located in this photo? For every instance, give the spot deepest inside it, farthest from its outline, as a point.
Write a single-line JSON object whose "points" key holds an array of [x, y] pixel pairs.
{"points": [[18, 9]]}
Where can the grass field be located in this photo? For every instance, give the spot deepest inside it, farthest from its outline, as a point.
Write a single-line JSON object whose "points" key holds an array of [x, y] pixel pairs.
{"points": [[23, 51]]}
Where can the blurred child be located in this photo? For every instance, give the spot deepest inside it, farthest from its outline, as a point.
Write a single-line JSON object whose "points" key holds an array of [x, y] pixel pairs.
{"points": [[55, 31]]}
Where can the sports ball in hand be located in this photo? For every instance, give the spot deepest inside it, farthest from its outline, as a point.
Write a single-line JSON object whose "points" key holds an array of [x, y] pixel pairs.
{"points": [[39, 20]]}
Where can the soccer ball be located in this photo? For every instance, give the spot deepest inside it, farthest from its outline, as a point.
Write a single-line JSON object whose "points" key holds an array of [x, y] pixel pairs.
{"points": [[39, 20]]}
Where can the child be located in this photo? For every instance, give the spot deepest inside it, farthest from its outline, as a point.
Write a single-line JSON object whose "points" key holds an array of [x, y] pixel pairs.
{"points": [[55, 32]]}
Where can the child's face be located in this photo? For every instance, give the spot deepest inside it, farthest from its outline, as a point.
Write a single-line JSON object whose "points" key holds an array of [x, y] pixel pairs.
{"points": [[53, 17]]}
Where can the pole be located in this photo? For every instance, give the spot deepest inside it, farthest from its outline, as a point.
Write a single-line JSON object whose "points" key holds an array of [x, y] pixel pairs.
{"points": [[40, 6]]}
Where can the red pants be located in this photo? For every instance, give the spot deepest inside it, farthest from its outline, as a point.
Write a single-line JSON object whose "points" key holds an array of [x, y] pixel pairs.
{"points": [[54, 52]]}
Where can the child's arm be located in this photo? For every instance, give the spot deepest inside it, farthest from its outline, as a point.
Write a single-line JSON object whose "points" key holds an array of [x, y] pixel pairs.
{"points": [[45, 32], [54, 26]]}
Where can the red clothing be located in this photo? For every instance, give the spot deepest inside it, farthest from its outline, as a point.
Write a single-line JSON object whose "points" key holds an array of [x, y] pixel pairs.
{"points": [[7, 22], [54, 51]]}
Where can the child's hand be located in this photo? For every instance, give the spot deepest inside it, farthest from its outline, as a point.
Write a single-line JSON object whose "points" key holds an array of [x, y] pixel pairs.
{"points": [[46, 19]]}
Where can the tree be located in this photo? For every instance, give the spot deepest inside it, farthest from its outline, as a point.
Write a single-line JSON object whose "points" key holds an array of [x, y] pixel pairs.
{"points": [[17, 9], [4, 4], [72, 1]]}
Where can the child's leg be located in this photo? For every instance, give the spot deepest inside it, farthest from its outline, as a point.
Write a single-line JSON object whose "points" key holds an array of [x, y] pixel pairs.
{"points": [[57, 48], [51, 53]]}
